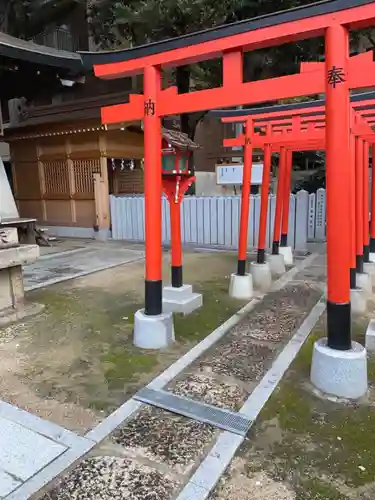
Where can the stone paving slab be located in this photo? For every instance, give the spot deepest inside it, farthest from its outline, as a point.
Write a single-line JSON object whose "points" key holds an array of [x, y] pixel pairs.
{"points": [[8, 483], [69, 265], [30, 445], [18, 445]]}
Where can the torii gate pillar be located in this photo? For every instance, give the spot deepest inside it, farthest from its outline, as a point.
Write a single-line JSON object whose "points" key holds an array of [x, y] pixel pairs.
{"points": [[339, 365], [153, 329]]}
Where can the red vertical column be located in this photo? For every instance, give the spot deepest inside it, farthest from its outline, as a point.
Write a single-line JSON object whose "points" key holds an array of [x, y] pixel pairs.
{"points": [[286, 201], [176, 268], [359, 203], [338, 187], [372, 228], [353, 263], [153, 192], [366, 234], [245, 199], [261, 257], [279, 202]]}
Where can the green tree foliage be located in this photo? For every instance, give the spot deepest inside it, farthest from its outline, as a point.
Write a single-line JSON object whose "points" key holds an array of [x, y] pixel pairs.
{"points": [[27, 18], [118, 23]]}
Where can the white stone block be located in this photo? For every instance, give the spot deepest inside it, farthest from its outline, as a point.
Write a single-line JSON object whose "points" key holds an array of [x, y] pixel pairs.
{"points": [[153, 332], [369, 268], [261, 274], [18, 256], [8, 237], [277, 264], [363, 280], [241, 287], [180, 293], [184, 305], [358, 300], [287, 253], [342, 374], [370, 336]]}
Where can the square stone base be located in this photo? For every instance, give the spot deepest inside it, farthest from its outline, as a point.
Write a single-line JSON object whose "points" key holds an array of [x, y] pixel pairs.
{"points": [[153, 332], [181, 300], [12, 295], [370, 336]]}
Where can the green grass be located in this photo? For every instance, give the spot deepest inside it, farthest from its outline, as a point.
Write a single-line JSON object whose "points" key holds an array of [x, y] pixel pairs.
{"points": [[217, 308], [106, 368], [322, 442]]}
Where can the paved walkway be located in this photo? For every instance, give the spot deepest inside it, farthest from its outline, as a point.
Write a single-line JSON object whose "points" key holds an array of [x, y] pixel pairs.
{"points": [[73, 263], [28, 445]]}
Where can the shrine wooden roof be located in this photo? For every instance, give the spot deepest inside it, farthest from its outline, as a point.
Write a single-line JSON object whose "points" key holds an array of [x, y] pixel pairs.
{"points": [[22, 50], [322, 8], [179, 139]]}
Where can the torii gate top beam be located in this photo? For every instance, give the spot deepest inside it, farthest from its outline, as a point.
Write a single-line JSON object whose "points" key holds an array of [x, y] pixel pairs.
{"points": [[359, 101], [299, 132], [272, 29]]}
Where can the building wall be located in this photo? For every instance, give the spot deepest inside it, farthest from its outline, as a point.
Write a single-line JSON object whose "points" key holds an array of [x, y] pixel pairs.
{"points": [[54, 176]]}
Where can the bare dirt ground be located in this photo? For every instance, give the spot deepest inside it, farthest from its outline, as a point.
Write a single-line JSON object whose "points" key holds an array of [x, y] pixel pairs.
{"points": [[75, 363]]}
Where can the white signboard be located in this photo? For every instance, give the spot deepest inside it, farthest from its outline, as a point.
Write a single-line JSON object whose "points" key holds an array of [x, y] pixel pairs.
{"points": [[232, 174]]}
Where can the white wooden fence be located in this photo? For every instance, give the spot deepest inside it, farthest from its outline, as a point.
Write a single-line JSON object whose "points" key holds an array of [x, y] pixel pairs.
{"points": [[214, 220]]}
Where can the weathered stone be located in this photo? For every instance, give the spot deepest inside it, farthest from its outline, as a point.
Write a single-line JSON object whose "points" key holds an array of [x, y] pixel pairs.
{"points": [[8, 237]]}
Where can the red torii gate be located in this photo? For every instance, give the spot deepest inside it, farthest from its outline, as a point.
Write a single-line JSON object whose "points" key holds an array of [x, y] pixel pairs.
{"points": [[331, 19], [294, 129]]}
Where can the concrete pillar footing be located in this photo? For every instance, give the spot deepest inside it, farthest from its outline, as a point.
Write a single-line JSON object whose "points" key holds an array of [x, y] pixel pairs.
{"points": [[342, 374], [261, 274], [277, 264], [241, 287], [358, 300], [363, 280], [370, 336], [369, 268], [181, 300], [153, 332], [287, 253]]}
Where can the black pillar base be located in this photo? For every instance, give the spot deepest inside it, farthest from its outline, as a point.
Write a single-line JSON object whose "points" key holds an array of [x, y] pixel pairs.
{"points": [[339, 326], [372, 245], [153, 297], [353, 278], [261, 256], [176, 274], [284, 240], [359, 263], [241, 268], [275, 248], [366, 253]]}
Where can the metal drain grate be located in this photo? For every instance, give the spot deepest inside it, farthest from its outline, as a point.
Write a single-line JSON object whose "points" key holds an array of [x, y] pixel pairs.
{"points": [[223, 419]]}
